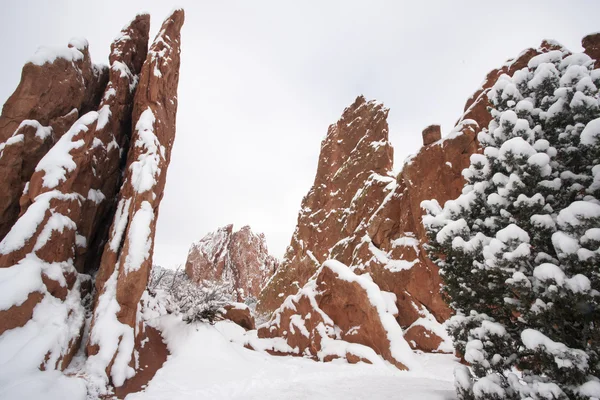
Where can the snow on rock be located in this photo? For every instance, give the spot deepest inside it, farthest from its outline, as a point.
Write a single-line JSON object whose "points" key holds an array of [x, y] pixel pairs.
{"points": [[126, 261], [333, 313], [240, 259]]}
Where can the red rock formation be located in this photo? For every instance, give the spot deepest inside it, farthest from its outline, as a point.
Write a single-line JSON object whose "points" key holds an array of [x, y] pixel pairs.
{"points": [[335, 312], [65, 204], [355, 156], [358, 214], [56, 87], [240, 258], [240, 314], [591, 45], [431, 134], [127, 257]]}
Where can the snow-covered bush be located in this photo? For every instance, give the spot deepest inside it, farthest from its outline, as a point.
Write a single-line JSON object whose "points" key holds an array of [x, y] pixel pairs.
{"points": [[519, 248], [203, 302]]}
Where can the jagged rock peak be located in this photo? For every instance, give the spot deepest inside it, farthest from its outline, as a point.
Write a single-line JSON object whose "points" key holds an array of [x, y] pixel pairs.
{"points": [[241, 259], [127, 257], [355, 155]]}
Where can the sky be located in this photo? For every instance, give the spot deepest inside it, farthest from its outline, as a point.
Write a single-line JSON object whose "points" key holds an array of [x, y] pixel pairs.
{"points": [[261, 81]]}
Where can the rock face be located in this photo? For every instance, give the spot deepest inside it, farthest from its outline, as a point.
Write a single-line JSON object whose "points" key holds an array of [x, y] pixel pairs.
{"points": [[239, 258], [127, 257], [358, 213], [68, 155]]}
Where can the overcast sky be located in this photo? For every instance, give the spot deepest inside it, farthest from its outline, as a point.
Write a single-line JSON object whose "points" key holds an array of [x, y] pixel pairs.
{"points": [[261, 81]]}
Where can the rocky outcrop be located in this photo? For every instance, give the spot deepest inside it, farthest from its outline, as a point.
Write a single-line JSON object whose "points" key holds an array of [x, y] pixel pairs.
{"points": [[73, 165], [358, 213], [591, 46], [240, 314], [354, 168], [339, 314], [65, 203], [57, 86], [127, 257], [239, 259]]}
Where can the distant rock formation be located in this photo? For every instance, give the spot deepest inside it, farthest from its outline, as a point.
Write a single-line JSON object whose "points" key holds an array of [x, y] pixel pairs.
{"points": [[239, 258], [361, 215], [82, 191]]}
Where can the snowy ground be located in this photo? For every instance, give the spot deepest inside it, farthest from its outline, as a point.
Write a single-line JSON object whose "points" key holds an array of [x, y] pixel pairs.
{"points": [[209, 362]]}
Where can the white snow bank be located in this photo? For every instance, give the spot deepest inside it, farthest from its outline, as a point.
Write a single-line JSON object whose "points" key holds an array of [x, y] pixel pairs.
{"points": [[44, 338], [211, 362]]}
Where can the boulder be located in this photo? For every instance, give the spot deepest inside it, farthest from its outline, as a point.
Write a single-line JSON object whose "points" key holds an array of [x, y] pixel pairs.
{"points": [[241, 259], [339, 314], [240, 314], [431, 134]]}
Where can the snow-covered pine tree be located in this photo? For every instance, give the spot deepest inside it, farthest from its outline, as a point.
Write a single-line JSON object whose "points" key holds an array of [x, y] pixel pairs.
{"points": [[519, 248]]}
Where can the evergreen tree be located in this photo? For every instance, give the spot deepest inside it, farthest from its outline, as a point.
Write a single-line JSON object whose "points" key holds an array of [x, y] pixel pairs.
{"points": [[519, 248]]}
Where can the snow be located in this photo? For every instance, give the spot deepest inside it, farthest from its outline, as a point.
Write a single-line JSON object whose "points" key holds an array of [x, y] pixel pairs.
{"points": [[140, 237], [591, 389], [45, 55], [563, 356], [549, 57], [58, 160], [103, 116], [18, 281], [145, 169], [96, 196], [210, 362], [590, 133], [119, 224], [43, 385], [42, 132], [42, 340], [548, 271], [516, 146], [114, 339], [576, 212], [512, 232], [28, 223]]}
